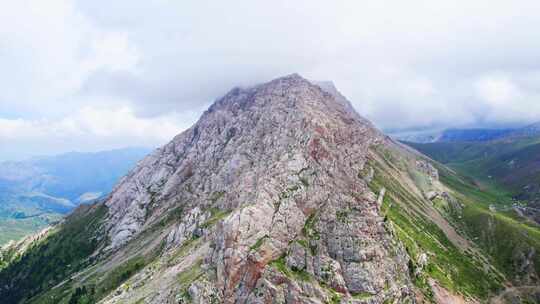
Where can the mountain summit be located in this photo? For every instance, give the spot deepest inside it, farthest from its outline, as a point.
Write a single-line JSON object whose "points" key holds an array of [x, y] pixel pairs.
{"points": [[280, 193], [275, 156], [245, 142]]}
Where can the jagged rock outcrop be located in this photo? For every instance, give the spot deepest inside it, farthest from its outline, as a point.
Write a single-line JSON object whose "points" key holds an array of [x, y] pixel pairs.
{"points": [[427, 168], [281, 160]]}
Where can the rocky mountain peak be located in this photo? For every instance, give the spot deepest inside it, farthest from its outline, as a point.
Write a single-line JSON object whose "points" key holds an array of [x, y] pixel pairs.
{"points": [[288, 113], [292, 92], [279, 162]]}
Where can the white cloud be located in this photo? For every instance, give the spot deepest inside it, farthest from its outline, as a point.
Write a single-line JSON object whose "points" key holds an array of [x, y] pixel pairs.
{"points": [[112, 51], [89, 129], [508, 98], [405, 65], [498, 90], [48, 50]]}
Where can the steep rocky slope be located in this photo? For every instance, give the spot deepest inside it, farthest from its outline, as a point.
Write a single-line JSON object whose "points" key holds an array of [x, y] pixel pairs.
{"points": [[280, 193], [275, 156]]}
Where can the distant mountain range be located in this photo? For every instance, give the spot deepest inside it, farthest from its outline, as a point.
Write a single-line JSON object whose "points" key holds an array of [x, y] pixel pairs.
{"points": [[38, 191], [466, 135]]}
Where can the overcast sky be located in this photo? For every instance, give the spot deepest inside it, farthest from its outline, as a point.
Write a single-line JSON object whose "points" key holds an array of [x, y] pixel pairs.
{"points": [[95, 75]]}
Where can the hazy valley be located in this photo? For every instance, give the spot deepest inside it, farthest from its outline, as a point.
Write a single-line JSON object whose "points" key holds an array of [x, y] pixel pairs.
{"points": [[39, 192]]}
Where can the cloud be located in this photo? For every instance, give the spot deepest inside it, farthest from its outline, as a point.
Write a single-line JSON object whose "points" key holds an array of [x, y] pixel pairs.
{"points": [[111, 51], [509, 98], [497, 90], [404, 65], [48, 50], [89, 129]]}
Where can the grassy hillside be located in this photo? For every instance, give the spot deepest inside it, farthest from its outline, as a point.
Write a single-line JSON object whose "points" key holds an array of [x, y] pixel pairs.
{"points": [[17, 228], [54, 258], [452, 262], [59, 268], [507, 238], [21, 215], [511, 163], [470, 249], [510, 167]]}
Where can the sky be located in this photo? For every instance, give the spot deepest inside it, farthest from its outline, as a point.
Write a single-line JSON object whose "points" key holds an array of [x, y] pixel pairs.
{"points": [[95, 75]]}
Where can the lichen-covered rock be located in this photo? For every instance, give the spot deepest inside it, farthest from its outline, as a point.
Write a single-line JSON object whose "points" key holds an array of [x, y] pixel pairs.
{"points": [[296, 257]]}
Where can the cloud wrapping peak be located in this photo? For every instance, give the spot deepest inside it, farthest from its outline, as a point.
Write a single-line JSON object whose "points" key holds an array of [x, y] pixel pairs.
{"points": [[404, 65]]}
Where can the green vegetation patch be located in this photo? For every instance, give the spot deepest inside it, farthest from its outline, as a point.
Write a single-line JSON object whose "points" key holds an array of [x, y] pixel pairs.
{"points": [[216, 215], [187, 277], [184, 250], [92, 293], [362, 295], [298, 274], [190, 275], [309, 229], [503, 237], [451, 267], [64, 252], [15, 227], [259, 243], [120, 274]]}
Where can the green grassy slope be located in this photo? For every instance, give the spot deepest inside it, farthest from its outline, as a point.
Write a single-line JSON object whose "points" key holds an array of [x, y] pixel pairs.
{"points": [[512, 164], [51, 260], [23, 215], [501, 242], [60, 269], [505, 237], [17, 228], [458, 269]]}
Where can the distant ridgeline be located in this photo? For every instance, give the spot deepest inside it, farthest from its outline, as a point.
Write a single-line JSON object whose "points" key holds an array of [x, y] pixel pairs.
{"points": [[40, 191], [466, 135]]}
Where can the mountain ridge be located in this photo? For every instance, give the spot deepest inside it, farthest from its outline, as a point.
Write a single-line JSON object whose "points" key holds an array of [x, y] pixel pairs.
{"points": [[287, 117], [469, 134], [279, 193], [238, 100]]}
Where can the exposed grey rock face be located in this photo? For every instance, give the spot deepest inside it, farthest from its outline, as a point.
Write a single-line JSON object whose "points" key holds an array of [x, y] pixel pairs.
{"points": [[523, 260], [427, 168], [280, 163], [431, 195]]}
